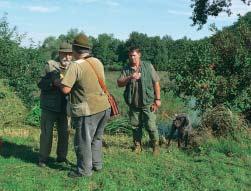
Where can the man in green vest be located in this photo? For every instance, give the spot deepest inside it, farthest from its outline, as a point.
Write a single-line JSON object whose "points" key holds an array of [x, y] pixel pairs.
{"points": [[142, 95], [53, 106], [89, 107]]}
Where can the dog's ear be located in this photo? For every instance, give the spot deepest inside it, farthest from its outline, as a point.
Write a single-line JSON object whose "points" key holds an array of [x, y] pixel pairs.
{"points": [[176, 122], [186, 121]]}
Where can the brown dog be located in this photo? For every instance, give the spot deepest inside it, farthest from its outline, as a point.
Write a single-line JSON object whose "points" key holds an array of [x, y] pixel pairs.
{"points": [[182, 124]]}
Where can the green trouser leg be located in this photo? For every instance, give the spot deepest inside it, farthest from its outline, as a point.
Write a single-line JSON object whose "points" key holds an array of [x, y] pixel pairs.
{"points": [[48, 119], [137, 134], [134, 115], [143, 117], [149, 121], [63, 137]]}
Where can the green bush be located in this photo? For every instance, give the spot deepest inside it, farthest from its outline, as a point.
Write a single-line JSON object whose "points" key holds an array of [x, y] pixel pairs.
{"points": [[118, 125], [33, 117], [22, 66]]}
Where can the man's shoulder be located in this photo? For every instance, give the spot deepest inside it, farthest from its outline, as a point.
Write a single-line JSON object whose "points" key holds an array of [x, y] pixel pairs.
{"points": [[146, 65], [95, 60], [146, 62], [92, 59], [77, 62], [126, 67], [52, 63], [74, 65]]}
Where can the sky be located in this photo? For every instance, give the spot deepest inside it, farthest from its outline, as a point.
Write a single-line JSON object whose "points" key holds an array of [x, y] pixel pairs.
{"points": [[42, 18]]}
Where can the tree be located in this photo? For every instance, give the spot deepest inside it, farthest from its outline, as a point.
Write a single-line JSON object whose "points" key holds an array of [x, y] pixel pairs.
{"points": [[142, 42], [20, 65], [50, 47], [71, 34], [105, 48], [204, 8], [51, 44]]}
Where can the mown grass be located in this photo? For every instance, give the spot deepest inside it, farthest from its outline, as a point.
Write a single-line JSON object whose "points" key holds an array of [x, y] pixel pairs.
{"points": [[123, 170], [218, 164]]}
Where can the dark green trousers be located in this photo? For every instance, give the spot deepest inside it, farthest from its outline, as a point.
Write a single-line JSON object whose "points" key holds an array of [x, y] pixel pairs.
{"points": [[48, 120], [143, 118]]}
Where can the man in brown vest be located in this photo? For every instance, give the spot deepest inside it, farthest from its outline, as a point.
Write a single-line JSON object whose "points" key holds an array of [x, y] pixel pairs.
{"points": [[89, 107]]}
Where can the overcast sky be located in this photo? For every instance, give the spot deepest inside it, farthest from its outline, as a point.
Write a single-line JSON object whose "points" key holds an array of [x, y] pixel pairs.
{"points": [[43, 18]]}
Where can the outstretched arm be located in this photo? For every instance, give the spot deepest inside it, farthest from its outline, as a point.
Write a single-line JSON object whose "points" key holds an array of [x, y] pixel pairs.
{"points": [[157, 101], [156, 87]]}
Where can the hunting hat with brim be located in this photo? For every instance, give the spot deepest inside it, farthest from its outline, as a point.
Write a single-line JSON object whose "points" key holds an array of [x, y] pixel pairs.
{"points": [[82, 41], [65, 47]]}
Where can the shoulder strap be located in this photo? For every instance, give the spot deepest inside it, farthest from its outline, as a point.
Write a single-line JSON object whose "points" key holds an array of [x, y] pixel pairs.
{"points": [[100, 81]]}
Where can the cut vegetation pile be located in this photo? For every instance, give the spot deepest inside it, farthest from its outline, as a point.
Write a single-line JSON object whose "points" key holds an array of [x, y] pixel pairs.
{"points": [[221, 121]]}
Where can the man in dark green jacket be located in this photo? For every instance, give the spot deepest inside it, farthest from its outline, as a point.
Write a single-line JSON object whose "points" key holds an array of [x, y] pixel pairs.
{"points": [[53, 104], [142, 95]]}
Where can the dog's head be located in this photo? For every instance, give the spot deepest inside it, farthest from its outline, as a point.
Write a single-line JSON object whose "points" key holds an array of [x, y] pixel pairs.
{"points": [[181, 121]]}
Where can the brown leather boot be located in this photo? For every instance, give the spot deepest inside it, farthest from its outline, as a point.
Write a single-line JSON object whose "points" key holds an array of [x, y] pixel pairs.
{"points": [[156, 150], [137, 147]]}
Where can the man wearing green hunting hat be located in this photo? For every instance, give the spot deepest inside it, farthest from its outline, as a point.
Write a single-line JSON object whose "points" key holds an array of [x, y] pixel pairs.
{"points": [[89, 107], [53, 106]]}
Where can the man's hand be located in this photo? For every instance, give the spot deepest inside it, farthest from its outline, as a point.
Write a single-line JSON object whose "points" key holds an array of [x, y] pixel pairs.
{"points": [[123, 81], [57, 82], [157, 102], [155, 106], [65, 89], [136, 75]]}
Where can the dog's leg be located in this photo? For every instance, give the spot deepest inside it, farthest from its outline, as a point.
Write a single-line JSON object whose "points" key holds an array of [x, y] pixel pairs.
{"points": [[180, 136], [169, 142], [186, 138], [171, 135], [179, 142]]}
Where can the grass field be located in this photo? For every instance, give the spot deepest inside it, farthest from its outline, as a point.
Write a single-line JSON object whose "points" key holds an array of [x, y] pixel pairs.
{"points": [[218, 164]]}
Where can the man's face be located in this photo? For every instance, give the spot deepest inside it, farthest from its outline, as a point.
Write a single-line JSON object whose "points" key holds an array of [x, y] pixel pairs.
{"points": [[65, 56], [134, 57]]}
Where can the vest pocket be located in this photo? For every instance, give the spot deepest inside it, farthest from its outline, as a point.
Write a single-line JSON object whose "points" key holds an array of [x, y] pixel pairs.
{"points": [[150, 92]]}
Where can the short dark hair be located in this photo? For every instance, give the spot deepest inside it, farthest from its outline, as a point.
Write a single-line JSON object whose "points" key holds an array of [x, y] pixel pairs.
{"points": [[80, 50], [134, 49]]}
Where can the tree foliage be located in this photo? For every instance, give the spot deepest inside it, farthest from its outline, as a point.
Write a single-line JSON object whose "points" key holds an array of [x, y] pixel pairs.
{"points": [[202, 9], [51, 44], [215, 70], [20, 65], [106, 47]]}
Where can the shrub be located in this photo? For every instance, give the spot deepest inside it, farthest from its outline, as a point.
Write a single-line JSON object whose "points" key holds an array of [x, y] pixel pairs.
{"points": [[22, 66], [33, 117], [221, 121]]}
